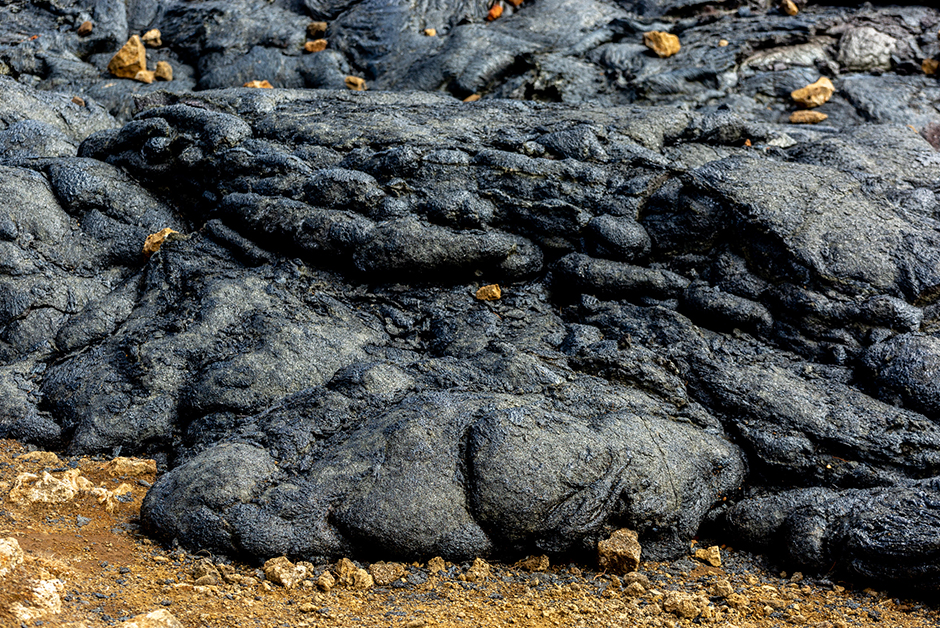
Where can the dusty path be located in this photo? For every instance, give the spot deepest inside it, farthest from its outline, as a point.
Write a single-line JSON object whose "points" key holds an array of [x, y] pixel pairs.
{"points": [[110, 572]]}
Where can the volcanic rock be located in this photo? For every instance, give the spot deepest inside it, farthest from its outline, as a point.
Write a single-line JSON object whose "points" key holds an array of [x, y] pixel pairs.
{"points": [[478, 572], [283, 572], [686, 605], [206, 574], [355, 83], [155, 240], [620, 553], [865, 49], [386, 573], [164, 71], [161, 618], [815, 94], [807, 117], [663, 44], [326, 581], [11, 555], [152, 38], [710, 555], [351, 576], [534, 563], [130, 467], [317, 45], [45, 458], [129, 60], [489, 293], [698, 300]]}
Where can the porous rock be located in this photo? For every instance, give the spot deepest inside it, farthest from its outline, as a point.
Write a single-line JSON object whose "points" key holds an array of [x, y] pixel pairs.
{"points": [[129, 60], [163, 71], [807, 117], [282, 571], [710, 555], [160, 618], [386, 573], [490, 292], [686, 605], [355, 83], [11, 555], [619, 553], [123, 466], [864, 49], [479, 571], [45, 458], [350, 575], [326, 581], [205, 574], [534, 563], [29, 488], [722, 588], [152, 38], [663, 44], [155, 240], [634, 589], [41, 600], [814, 94]]}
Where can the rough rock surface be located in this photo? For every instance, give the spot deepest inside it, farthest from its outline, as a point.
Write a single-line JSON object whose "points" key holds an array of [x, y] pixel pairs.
{"points": [[552, 50], [620, 554], [705, 315]]}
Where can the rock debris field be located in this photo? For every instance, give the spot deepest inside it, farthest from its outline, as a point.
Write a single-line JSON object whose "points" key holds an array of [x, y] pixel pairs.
{"points": [[78, 561], [476, 281]]}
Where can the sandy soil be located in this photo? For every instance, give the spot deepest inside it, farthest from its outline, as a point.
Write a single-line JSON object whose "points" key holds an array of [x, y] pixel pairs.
{"points": [[98, 569]]}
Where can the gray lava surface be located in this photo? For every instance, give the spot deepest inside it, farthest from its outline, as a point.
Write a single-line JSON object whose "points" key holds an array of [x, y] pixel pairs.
{"points": [[710, 319]]}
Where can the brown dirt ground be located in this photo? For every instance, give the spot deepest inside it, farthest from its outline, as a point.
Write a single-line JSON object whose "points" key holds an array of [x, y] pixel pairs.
{"points": [[112, 572]]}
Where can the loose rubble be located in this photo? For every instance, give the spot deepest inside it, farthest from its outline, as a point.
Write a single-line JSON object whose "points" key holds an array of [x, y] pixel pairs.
{"points": [[188, 589], [490, 292], [620, 553], [155, 240], [164, 71], [152, 38], [807, 117], [130, 60], [663, 44], [814, 94]]}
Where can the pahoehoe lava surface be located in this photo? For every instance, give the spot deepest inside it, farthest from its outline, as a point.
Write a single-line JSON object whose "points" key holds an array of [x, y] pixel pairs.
{"points": [[708, 318]]}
